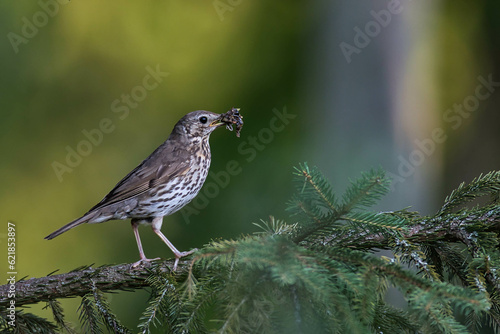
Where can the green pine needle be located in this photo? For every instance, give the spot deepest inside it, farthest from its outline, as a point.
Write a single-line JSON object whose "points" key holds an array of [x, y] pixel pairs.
{"points": [[89, 316], [483, 185], [58, 314], [104, 311], [161, 306], [365, 191], [311, 182], [26, 323], [376, 222]]}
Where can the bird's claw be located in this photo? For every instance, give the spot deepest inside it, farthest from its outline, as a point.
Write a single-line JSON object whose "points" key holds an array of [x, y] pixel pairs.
{"points": [[142, 261], [182, 254]]}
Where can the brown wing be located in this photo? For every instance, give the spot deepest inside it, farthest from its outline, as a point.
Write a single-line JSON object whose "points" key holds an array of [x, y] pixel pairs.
{"points": [[164, 163]]}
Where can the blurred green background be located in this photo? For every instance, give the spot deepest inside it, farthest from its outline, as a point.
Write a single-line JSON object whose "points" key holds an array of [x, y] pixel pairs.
{"points": [[364, 84]]}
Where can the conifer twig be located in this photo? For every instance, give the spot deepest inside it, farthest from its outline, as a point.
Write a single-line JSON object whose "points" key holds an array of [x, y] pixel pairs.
{"points": [[80, 281], [450, 228]]}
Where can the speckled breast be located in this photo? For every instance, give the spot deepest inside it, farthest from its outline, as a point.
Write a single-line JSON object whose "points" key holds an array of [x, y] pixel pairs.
{"points": [[171, 196]]}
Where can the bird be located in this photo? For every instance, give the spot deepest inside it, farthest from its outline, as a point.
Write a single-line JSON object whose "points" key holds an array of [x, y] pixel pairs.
{"points": [[167, 180]]}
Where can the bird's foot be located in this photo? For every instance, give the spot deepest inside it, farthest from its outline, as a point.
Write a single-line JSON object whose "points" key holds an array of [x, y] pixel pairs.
{"points": [[142, 261], [182, 254]]}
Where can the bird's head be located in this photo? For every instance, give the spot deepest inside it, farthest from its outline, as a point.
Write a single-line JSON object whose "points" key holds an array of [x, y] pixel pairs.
{"points": [[199, 123]]}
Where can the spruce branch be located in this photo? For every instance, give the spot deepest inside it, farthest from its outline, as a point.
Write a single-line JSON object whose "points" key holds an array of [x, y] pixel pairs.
{"points": [[79, 282], [312, 181], [366, 191], [89, 315], [103, 309], [460, 227], [488, 184], [58, 314], [318, 274], [164, 305], [27, 323]]}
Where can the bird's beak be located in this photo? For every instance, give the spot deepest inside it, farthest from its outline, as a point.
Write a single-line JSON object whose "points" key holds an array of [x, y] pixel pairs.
{"points": [[217, 122]]}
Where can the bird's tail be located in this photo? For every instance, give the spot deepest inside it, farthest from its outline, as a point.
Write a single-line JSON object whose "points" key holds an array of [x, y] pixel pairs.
{"points": [[82, 220]]}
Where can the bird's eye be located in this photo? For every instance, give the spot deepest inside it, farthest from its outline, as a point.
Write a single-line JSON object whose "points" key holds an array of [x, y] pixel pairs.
{"points": [[203, 119]]}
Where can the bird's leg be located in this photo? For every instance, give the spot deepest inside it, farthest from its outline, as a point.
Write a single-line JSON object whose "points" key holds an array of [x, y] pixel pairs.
{"points": [[156, 225], [135, 228]]}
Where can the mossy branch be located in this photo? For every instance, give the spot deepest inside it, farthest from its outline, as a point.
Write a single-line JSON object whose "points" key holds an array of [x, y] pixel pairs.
{"points": [[80, 282]]}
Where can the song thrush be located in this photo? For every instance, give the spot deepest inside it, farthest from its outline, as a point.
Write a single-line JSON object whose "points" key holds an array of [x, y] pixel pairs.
{"points": [[164, 182]]}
